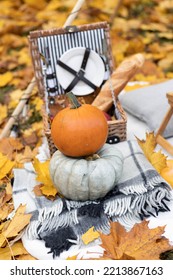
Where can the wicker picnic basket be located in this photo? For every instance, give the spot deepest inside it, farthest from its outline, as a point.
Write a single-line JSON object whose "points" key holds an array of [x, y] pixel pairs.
{"points": [[47, 46]]}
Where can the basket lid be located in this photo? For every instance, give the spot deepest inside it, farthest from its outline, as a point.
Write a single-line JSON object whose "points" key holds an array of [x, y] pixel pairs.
{"points": [[80, 70]]}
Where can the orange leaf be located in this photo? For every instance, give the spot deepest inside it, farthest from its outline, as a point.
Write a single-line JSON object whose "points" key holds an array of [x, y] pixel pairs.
{"points": [[37, 191], [140, 243], [10, 145], [167, 172]]}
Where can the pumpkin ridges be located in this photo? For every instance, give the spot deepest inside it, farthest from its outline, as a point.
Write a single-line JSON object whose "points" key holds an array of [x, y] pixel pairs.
{"points": [[89, 179], [63, 166], [89, 127], [96, 126]]}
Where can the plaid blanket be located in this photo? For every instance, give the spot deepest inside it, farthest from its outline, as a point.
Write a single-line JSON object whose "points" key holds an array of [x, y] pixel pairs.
{"points": [[141, 192]]}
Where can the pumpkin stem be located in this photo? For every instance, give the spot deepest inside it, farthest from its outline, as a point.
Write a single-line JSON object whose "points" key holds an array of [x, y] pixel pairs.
{"points": [[73, 100], [92, 157]]}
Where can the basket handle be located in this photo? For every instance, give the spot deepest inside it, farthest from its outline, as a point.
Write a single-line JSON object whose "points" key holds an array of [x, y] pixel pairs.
{"points": [[119, 78]]}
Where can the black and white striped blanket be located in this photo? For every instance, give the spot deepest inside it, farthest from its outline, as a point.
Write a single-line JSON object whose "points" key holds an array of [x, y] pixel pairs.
{"points": [[140, 193]]}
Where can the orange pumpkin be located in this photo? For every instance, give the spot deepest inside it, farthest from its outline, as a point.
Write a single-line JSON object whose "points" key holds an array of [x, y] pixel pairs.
{"points": [[79, 130], [167, 172]]}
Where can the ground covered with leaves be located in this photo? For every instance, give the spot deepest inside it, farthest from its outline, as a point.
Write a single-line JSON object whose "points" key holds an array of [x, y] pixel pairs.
{"points": [[144, 26]]}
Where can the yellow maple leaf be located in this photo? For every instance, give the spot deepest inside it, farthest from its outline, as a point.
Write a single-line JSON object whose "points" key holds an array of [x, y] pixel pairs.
{"points": [[38, 102], [90, 236], [25, 156], [43, 176], [38, 127], [49, 190], [169, 75], [157, 159], [5, 78], [53, 5], [71, 258], [9, 253], [14, 98], [6, 165], [18, 223], [24, 57], [4, 225], [148, 145]]}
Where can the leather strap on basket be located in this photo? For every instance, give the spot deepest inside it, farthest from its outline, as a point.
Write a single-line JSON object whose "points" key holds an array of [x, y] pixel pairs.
{"points": [[80, 74]]}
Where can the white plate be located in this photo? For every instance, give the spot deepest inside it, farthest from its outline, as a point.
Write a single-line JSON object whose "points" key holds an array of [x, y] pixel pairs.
{"points": [[94, 71]]}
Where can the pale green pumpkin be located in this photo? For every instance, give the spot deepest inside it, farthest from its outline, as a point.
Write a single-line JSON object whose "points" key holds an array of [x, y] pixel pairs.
{"points": [[84, 179]]}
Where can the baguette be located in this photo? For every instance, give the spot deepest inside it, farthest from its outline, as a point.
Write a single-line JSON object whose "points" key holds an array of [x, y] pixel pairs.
{"points": [[119, 78]]}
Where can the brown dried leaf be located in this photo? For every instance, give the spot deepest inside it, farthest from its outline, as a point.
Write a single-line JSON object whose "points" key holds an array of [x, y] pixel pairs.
{"points": [[30, 140], [140, 243], [2, 195], [37, 190], [10, 145], [5, 210], [25, 257], [6, 194]]}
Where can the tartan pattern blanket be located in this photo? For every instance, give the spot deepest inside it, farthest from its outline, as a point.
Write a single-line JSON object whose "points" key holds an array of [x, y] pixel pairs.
{"points": [[140, 193]]}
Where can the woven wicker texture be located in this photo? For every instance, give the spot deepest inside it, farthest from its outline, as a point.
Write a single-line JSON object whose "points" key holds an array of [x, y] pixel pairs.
{"points": [[117, 127]]}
